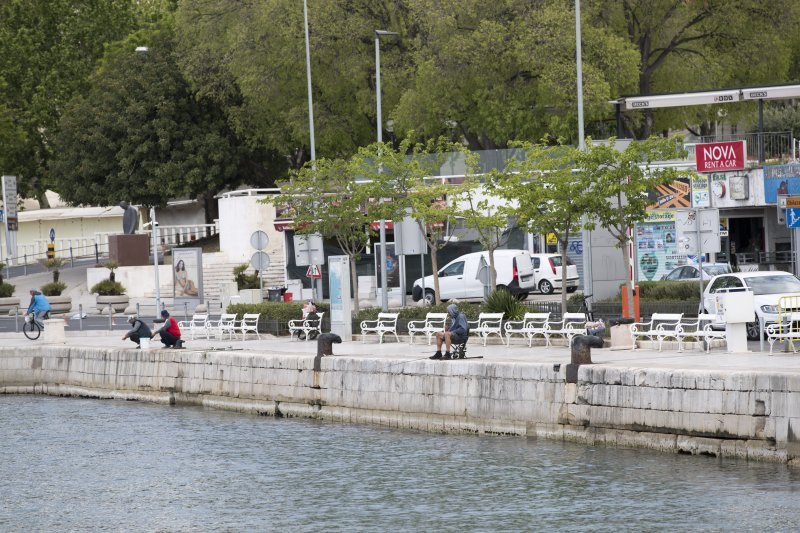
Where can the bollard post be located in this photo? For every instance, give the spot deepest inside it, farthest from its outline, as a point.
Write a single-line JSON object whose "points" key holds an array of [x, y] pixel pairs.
{"points": [[71, 257], [186, 310], [25, 264], [110, 317], [138, 311], [96, 254], [80, 316], [16, 320]]}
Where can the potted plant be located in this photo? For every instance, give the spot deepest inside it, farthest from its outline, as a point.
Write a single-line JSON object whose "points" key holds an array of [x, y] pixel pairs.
{"points": [[110, 292], [8, 303], [53, 290]]}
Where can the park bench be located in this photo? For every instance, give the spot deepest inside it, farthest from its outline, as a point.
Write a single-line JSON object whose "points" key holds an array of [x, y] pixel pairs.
{"points": [[248, 324], [660, 327], [532, 324], [705, 328], [385, 323], [197, 325], [434, 323], [306, 326], [570, 325], [788, 331], [224, 326], [487, 324]]}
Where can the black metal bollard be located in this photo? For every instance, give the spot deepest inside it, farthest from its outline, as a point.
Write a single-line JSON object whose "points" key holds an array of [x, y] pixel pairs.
{"points": [[581, 354], [325, 343]]}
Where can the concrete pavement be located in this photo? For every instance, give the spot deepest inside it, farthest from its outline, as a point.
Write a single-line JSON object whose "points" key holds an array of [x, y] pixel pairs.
{"points": [[401, 352]]}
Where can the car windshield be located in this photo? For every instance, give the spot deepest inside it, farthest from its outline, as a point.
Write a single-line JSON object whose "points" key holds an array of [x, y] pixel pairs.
{"points": [[716, 270], [556, 259], [773, 284]]}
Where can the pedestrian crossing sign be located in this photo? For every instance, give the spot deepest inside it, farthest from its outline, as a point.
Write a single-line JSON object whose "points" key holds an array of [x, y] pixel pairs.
{"points": [[313, 272]]}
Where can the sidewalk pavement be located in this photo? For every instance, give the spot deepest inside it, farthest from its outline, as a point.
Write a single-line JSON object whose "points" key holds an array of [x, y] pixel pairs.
{"points": [[718, 359]]}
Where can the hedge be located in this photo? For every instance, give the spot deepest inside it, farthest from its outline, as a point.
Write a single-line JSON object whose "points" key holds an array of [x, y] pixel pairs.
{"points": [[280, 311]]}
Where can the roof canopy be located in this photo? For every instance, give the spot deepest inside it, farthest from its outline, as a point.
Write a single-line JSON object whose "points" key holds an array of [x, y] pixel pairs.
{"points": [[720, 96]]}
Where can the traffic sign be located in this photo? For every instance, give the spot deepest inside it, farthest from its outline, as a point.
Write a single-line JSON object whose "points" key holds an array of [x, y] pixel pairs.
{"points": [[313, 272], [793, 217], [52, 234]]}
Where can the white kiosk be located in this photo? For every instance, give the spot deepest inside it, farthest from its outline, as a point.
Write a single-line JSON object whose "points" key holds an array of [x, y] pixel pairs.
{"points": [[736, 307]]}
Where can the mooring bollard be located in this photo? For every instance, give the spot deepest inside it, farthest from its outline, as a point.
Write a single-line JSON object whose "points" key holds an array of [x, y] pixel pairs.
{"points": [[325, 343], [581, 354]]}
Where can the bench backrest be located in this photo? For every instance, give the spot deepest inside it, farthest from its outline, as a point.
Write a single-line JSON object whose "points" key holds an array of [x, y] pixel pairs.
{"points": [[666, 317], [435, 318], [386, 319], [227, 319], [707, 317], [250, 319], [574, 317], [535, 317], [200, 318], [489, 317]]}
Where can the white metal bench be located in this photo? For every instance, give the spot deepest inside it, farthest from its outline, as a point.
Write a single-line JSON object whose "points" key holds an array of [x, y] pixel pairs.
{"points": [[306, 326], [197, 325], [705, 328], [570, 325], [660, 327], [385, 323], [787, 331], [224, 326], [434, 323], [487, 324], [248, 324], [532, 324]]}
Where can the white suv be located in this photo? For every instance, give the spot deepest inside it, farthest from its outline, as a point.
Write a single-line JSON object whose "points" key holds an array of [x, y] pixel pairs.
{"points": [[547, 273]]}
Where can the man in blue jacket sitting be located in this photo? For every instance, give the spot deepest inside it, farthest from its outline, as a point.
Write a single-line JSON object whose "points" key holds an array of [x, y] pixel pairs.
{"points": [[457, 334]]}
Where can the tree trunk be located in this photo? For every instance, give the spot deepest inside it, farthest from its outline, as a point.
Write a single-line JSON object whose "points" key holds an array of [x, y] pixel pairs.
{"points": [[564, 277], [44, 203], [626, 260], [354, 281], [492, 273], [211, 208], [56, 275], [435, 268]]}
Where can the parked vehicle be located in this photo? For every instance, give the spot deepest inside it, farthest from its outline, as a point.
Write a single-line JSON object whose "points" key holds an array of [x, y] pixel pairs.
{"points": [[690, 272], [768, 288], [459, 278], [547, 272]]}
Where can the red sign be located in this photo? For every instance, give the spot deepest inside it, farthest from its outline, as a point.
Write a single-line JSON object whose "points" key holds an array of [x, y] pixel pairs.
{"points": [[720, 157], [313, 272]]}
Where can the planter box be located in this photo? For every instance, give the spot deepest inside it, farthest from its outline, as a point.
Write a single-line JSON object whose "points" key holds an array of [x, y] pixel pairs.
{"points": [[60, 304], [118, 303], [9, 305]]}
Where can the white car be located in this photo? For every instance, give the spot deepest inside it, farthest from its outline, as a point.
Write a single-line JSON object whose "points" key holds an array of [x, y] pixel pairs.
{"points": [[547, 271], [768, 288], [689, 272]]}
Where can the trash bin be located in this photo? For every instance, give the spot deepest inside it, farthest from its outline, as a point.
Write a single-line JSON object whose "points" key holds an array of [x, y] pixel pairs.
{"points": [[275, 294], [287, 296]]}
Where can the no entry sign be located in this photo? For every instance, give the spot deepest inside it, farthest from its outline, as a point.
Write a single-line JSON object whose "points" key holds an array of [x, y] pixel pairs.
{"points": [[719, 157]]}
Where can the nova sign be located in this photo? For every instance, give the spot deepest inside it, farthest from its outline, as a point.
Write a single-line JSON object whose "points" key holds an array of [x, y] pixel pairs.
{"points": [[717, 157]]}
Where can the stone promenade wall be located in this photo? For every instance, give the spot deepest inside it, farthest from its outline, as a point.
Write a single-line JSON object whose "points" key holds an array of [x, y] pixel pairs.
{"points": [[752, 415]]}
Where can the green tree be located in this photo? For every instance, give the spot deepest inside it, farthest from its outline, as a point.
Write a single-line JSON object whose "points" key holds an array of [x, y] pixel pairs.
{"points": [[548, 195], [49, 49], [326, 200], [139, 133], [491, 72], [620, 181], [402, 179], [701, 44]]}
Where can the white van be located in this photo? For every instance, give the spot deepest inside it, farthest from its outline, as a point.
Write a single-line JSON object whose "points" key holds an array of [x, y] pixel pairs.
{"points": [[459, 278]]}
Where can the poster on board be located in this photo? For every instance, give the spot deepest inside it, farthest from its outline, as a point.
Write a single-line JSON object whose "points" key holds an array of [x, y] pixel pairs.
{"points": [[656, 245], [187, 274]]}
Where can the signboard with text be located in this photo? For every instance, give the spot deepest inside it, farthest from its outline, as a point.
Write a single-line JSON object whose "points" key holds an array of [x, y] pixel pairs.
{"points": [[721, 156]]}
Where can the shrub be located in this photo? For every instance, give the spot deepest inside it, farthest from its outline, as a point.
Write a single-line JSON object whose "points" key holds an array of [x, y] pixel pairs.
{"points": [[6, 290], [246, 281], [111, 265], [53, 289], [108, 288], [502, 301], [280, 311]]}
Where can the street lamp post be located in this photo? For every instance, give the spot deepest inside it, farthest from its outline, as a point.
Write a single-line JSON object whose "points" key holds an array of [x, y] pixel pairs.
{"points": [[384, 284]]}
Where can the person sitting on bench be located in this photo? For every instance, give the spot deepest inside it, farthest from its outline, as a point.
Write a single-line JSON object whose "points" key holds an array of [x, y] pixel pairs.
{"points": [[457, 334]]}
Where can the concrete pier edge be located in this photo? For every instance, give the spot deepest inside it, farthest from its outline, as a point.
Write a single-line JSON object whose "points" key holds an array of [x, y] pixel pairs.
{"points": [[723, 413]]}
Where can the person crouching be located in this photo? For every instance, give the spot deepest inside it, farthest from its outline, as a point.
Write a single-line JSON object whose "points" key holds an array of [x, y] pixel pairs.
{"points": [[138, 330], [170, 332]]}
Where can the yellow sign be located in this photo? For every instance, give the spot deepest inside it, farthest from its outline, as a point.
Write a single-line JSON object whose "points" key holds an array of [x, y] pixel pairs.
{"points": [[551, 238], [793, 201]]}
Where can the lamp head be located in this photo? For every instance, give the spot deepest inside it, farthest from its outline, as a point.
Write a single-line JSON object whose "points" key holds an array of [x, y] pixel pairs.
{"points": [[383, 33]]}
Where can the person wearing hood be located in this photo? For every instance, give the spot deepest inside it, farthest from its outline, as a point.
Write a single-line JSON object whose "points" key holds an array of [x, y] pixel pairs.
{"points": [[138, 330], [457, 334], [39, 306]]}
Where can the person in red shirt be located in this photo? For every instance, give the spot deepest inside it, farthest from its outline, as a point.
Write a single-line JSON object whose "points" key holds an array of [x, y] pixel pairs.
{"points": [[170, 332]]}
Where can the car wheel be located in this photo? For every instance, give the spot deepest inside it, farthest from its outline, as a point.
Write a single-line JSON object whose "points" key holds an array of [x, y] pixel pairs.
{"points": [[522, 296], [572, 289], [546, 287], [753, 331], [430, 297]]}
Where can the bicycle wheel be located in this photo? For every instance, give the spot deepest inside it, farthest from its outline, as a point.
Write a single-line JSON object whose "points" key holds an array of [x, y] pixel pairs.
{"points": [[32, 330]]}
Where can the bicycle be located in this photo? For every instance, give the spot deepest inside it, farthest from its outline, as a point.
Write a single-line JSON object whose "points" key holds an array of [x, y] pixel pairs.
{"points": [[32, 328], [585, 308]]}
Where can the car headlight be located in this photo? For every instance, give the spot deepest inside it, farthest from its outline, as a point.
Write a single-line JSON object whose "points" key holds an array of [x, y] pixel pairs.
{"points": [[770, 309]]}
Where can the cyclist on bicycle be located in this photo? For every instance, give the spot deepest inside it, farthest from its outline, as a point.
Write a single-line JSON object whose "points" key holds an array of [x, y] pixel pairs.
{"points": [[39, 306]]}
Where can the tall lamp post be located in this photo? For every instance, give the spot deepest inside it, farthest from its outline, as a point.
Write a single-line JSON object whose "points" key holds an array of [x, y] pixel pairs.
{"points": [[384, 284], [153, 229]]}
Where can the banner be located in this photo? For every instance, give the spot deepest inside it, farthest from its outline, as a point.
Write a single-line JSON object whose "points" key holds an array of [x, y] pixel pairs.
{"points": [[187, 274]]}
